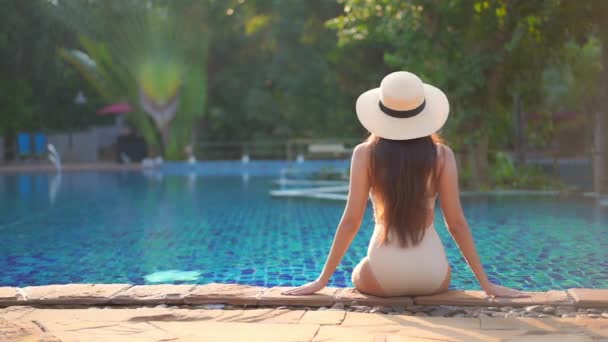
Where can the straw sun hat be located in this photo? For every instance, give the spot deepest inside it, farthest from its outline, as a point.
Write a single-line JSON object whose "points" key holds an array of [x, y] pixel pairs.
{"points": [[402, 108]]}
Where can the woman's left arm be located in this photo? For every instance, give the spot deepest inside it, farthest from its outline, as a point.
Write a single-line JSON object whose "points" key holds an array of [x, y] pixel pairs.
{"points": [[348, 227]]}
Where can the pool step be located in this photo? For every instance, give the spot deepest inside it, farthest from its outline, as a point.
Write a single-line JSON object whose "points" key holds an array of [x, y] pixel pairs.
{"points": [[328, 192], [235, 294]]}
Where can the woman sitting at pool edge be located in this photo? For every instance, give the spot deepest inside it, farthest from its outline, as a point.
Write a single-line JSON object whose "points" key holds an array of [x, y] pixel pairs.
{"points": [[403, 166]]}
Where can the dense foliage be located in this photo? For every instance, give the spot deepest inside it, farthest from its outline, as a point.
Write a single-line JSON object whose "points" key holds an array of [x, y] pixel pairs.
{"points": [[37, 89], [486, 55], [259, 70]]}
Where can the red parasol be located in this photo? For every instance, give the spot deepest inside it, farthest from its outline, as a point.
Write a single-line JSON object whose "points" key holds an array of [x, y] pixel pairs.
{"points": [[117, 108]]}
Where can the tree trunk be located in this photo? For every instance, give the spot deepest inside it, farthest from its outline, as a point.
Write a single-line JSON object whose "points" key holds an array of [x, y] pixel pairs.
{"points": [[600, 160], [520, 131], [494, 78], [472, 168], [164, 132], [481, 161]]}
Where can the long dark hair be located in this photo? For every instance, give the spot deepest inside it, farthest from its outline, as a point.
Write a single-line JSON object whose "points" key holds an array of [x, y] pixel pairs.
{"points": [[401, 173]]}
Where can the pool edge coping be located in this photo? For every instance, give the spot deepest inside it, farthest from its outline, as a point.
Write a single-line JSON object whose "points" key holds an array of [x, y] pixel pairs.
{"points": [[245, 295]]}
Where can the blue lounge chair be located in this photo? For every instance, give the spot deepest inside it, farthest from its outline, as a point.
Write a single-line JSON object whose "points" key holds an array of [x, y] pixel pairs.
{"points": [[24, 145], [40, 144]]}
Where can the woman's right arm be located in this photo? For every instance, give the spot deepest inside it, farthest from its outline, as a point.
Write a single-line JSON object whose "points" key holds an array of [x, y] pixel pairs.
{"points": [[449, 197]]}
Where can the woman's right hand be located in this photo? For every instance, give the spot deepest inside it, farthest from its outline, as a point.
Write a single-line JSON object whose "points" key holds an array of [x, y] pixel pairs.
{"points": [[494, 290], [306, 289]]}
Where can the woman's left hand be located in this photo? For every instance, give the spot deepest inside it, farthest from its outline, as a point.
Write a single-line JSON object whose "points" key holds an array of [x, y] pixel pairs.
{"points": [[305, 289], [500, 291]]}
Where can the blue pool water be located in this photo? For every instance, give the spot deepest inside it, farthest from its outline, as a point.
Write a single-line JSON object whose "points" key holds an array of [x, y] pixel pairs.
{"points": [[110, 227]]}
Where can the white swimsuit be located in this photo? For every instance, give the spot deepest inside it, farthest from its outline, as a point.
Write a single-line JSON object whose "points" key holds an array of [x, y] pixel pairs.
{"points": [[412, 270]]}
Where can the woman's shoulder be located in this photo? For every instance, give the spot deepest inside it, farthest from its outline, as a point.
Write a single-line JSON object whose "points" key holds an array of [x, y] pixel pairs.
{"points": [[445, 156], [362, 152], [363, 148], [444, 150]]}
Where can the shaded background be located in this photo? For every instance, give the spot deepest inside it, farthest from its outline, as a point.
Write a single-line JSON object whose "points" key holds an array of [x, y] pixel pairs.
{"points": [[526, 80]]}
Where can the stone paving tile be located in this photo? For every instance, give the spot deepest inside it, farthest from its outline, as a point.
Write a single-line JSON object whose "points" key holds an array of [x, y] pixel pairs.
{"points": [[9, 296], [479, 298], [451, 326], [327, 317], [243, 316], [571, 322], [283, 316], [16, 312], [72, 294], [596, 328], [494, 335], [24, 331], [224, 293], [124, 294], [127, 324], [552, 297], [152, 294], [401, 333], [492, 329], [348, 295], [347, 334], [586, 298], [122, 315], [454, 322], [204, 314], [600, 333], [398, 338], [528, 324], [550, 338], [454, 297], [217, 331], [367, 319], [107, 331], [280, 316], [273, 296]]}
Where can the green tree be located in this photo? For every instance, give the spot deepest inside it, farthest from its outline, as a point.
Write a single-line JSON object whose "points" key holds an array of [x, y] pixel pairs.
{"points": [[37, 89], [480, 52], [153, 55], [580, 21], [274, 70]]}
